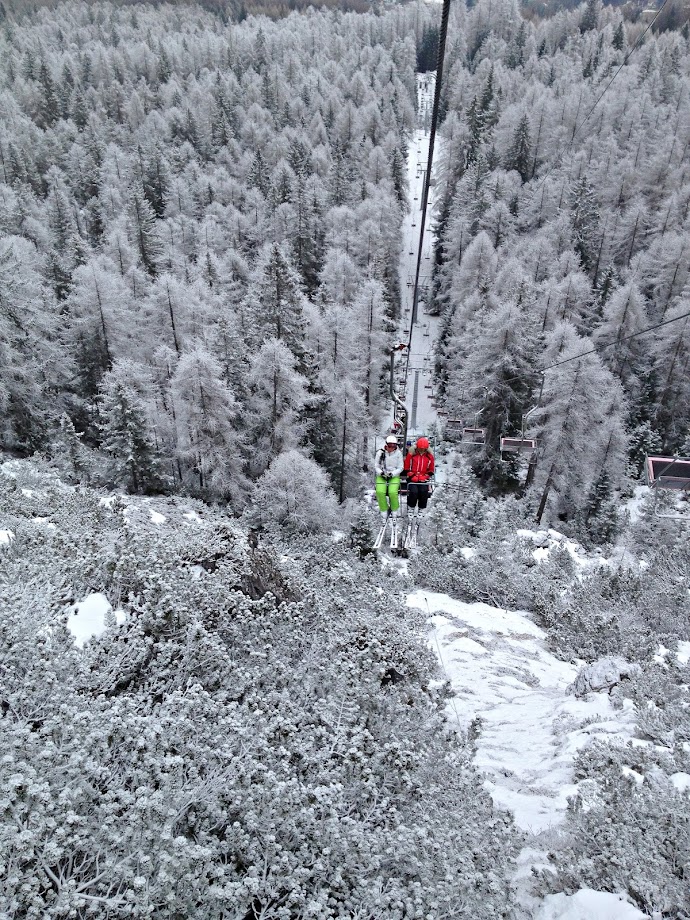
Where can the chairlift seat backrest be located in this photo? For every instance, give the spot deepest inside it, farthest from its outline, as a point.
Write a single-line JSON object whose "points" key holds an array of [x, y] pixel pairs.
{"points": [[473, 436], [668, 472], [518, 445], [454, 424]]}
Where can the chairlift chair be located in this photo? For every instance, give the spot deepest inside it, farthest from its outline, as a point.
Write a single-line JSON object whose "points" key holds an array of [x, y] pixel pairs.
{"points": [[473, 437], [668, 473], [453, 429], [510, 447]]}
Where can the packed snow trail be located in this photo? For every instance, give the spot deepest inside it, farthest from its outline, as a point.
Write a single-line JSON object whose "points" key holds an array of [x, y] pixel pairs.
{"points": [[506, 682], [502, 673], [424, 332]]}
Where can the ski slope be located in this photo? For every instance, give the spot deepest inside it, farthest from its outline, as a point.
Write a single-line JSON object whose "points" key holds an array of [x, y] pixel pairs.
{"points": [[422, 413]]}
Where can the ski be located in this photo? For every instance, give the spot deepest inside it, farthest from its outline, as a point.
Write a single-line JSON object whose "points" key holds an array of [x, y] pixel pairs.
{"points": [[411, 535], [378, 543], [394, 535]]}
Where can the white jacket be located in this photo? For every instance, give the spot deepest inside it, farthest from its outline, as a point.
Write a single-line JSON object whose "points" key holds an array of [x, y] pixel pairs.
{"points": [[389, 462]]}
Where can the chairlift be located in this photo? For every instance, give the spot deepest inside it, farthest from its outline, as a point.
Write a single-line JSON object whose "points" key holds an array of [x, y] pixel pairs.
{"points": [[473, 437], [453, 429], [510, 447], [667, 473]]}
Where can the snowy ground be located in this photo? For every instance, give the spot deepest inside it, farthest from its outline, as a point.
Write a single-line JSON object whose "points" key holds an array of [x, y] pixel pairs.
{"points": [[507, 682], [503, 674]]}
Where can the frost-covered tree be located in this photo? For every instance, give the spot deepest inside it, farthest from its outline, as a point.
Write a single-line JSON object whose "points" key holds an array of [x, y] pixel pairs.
{"points": [[275, 302], [519, 156], [295, 492], [33, 364], [278, 393], [580, 425], [125, 431], [208, 445]]}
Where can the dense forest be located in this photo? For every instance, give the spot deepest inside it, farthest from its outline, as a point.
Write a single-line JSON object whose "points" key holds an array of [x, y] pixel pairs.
{"points": [[200, 235], [564, 232]]}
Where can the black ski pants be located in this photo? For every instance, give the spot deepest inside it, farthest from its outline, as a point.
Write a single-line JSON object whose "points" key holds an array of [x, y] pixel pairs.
{"points": [[417, 492]]}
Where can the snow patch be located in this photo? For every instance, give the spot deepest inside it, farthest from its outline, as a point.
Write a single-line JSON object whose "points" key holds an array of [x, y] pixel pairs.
{"points": [[28, 493], [507, 682], [636, 503], [88, 617], [546, 540], [683, 652], [44, 520], [157, 518], [467, 552], [681, 781], [587, 904], [633, 774], [6, 537]]}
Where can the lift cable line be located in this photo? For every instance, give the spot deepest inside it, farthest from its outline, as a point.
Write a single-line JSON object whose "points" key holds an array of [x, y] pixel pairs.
{"points": [[617, 341], [557, 158], [427, 179], [622, 65]]}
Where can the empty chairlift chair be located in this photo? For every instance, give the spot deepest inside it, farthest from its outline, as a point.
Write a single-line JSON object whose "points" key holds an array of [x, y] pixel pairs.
{"points": [[453, 429], [473, 437], [668, 473], [525, 447]]}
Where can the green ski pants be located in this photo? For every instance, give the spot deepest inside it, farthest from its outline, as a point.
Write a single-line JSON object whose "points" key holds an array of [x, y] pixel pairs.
{"points": [[387, 490]]}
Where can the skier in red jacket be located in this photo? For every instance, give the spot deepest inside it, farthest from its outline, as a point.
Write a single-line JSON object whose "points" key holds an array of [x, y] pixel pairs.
{"points": [[419, 466]]}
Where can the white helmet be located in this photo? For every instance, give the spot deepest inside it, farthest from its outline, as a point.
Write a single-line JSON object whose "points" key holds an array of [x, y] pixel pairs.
{"points": [[391, 439]]}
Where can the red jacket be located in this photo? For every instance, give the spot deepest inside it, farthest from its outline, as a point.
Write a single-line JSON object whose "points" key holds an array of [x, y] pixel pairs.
{"points": [[419, 467]]}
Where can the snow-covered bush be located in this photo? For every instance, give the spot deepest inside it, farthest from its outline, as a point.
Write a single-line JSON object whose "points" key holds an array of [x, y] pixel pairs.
{"points": [[496, 567], [277, 752], [661, 695], [629, 832], [623, 611]]}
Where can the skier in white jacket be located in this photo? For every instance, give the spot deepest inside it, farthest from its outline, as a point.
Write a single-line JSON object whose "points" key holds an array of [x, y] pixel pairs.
{"points": [[388, 464]]}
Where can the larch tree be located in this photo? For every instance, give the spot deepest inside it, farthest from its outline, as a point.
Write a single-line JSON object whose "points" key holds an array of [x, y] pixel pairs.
{"points": [[624, 315], [274, 304], [519, 156], [34, 366], [278, 394], [209, 447], [134, 463], [671, 351], [495, 378], [580, 424]]}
